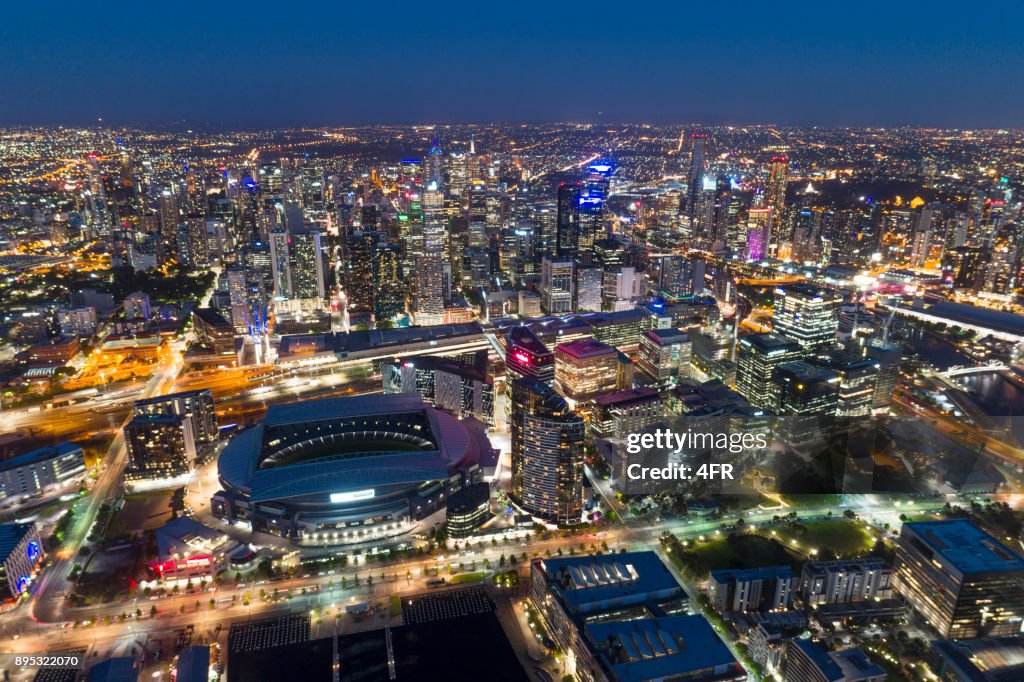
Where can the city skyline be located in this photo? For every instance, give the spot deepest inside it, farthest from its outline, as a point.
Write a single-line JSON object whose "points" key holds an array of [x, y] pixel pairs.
{"points": [[566, 403]]}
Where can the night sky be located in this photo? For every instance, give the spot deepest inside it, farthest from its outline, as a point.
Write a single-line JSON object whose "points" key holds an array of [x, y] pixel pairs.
{"points": [[268, 64]]}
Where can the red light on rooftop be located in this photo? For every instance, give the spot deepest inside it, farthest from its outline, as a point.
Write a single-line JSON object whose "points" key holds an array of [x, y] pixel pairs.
{"points": [[522, 357]]}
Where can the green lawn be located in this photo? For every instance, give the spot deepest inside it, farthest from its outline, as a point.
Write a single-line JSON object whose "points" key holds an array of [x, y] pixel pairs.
{"points": [[845, 537], [735, 551], [812, 499], [467, 578]]}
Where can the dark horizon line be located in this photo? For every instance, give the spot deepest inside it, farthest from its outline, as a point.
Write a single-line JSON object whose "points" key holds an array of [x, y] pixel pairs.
{"points": [[224, 126]]}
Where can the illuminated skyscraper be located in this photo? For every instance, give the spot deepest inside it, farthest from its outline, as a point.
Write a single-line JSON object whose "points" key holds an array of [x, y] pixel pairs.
{"points": [[567, 220], [857, 381], [775, 193], [665, 355], [758, 358], [807, 389], [159, 446], [887, 357], [963, 581], [430, 270], [547, 454], [527, 356], [388, 292], [307, 265], [170, 219], [458, 175], [478, 236], [586, 368], [557, 286], [590, 214], [759, 225], [197, 248], [695, 174], [280, 263], [358, 272], [808, 315], [677, 276], [435, 165]]}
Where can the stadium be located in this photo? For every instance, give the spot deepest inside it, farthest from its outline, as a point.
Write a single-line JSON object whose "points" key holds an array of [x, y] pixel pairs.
{"points": [[346, 470]]}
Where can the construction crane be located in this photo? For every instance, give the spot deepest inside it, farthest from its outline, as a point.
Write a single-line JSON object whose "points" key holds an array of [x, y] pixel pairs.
{"points": [[885, 329]]}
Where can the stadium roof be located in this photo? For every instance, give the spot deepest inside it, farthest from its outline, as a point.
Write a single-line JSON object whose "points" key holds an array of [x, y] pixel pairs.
{"points": [[239, 462]]}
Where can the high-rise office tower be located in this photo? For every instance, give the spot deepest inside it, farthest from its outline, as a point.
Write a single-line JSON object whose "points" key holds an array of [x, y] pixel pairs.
{"points": [[724, 215], [610, 256], [256, 258], [677, 276], [695, 174], [388, 292], [586, 368], [458, 175], [759, 234], [238, 296], [567, 220], [358, 274], [557, 286], [775, 194], [699, 230], [887, 356], [921, 237], [547, 454], [545, 220], [1001, 274], [757, 358], [270, 178], [858, 378], [170, 219], [307, 264], [962, 580], [478, 235], [195, 405], [807, 389], [293, 216], [665, 355], [435, 165], [527, 356], [159, 446], [280, 263], [197, 247], [970, 274], [430, 270], [410, 175], [590, 212], [589, 283], [808, 315]]}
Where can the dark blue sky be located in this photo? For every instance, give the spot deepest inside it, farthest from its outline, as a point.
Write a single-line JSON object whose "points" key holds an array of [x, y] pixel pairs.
{"points": [[281, 63]]}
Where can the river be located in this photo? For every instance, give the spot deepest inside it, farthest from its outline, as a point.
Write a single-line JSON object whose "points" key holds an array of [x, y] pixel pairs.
{"points": [[997, 395]]}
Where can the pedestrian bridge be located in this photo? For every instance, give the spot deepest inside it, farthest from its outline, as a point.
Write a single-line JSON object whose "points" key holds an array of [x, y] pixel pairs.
{"points": [[959, 370]]}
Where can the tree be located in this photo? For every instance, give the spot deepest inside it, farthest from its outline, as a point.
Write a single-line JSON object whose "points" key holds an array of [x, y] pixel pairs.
{"points": [[152, 611]]}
